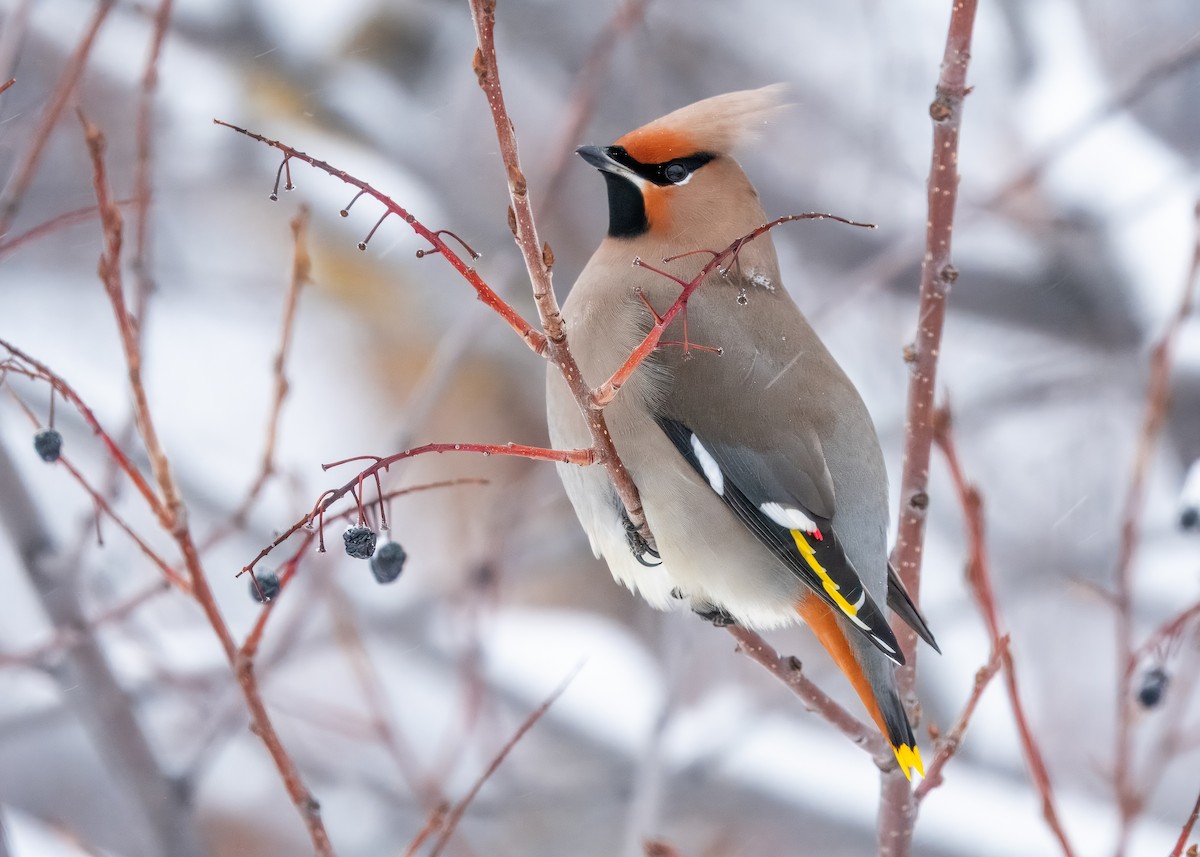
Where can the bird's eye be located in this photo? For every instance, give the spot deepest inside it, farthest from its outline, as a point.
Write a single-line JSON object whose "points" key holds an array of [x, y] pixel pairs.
{"points": [[676, 172]]}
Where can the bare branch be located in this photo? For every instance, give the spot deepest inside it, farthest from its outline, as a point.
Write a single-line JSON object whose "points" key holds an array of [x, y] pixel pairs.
{"points": [[949, 745], [1181, 843], [1154, 416], [531, 337], [456, 813], [979, 578], [14, 192]]}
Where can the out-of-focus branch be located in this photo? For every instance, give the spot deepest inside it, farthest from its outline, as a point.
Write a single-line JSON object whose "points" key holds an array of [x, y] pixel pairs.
{"points": [[54, 224], [1162, 68], [582, 104], [143, 133], [659, 848], [979, 578], [456, 812], [1154, 416], [103, 506], [897, 809], [43, 656], [14, 192], [89, 686], [949, 744], [1188, 825], [301, 274]]}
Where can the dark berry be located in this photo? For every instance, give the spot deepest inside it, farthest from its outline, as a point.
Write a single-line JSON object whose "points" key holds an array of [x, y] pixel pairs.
{"points": [[48, 444], [360, 541], [387, 564], [1154, 684], [264, 586], [1189, 517]]}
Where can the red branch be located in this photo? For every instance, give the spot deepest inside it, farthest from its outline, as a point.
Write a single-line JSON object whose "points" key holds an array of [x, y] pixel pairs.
{"points": [[949, 745], [35, 369], [1177, 851], [1155, 414], [535, 340], [607, 391], [979, 577], [249, 648], [579, 457]]}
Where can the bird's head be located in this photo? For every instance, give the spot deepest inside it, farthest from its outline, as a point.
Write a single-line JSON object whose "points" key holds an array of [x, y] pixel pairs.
{"points": [[676, 177]]}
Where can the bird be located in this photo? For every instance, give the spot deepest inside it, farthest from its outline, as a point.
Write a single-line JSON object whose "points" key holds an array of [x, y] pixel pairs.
{"points": [[758, 466]]}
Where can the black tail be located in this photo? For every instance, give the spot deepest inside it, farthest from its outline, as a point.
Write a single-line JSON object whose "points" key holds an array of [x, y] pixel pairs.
{"points": [[902, 605]]}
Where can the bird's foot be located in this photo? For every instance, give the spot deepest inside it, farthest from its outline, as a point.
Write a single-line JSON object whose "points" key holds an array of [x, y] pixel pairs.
{"points": [[638, 546], [720, 618]]}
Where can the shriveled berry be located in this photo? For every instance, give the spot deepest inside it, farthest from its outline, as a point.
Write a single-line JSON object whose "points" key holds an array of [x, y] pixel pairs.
{"points": [[388, 562], [360, 541], [264, 586], [48, 444], [1154, 685]]}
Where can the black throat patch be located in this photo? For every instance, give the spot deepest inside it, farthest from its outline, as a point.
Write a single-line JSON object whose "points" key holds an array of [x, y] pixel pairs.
{"points": [[626, 208]]}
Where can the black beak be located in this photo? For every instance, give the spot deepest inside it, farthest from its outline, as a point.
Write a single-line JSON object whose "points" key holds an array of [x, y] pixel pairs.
{"points": [[597, 157]]}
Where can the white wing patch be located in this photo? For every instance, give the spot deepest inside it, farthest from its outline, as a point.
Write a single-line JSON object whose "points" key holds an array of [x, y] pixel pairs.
{"points": [[712, 471], [789, 516]]}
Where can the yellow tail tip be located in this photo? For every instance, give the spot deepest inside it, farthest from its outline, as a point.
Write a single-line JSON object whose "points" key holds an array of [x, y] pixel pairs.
{"points": [[909, 758]]}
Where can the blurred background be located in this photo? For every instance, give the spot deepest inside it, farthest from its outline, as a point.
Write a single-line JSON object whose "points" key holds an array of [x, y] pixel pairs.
{"points": [[1079, 161]]}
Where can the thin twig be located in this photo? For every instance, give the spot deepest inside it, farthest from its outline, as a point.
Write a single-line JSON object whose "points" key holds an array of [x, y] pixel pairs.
{"points": [[249, 647], [144, 169], [580, 457], [301, 275], [979, 578], [607, 391], [38, 371], [589, 82], [949, 745], [531, 337], [434, 824], [102, 505], [1181, 843], [1154, 416], [51, 226], [456, 813], [14, 192]]}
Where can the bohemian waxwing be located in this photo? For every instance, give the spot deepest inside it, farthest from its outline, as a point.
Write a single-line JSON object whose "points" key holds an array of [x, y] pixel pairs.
{"points": [[758, 466]]}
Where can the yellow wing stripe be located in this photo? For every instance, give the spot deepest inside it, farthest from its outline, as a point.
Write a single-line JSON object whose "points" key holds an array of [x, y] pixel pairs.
{"points": [[832, 588], [909, 758]]}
